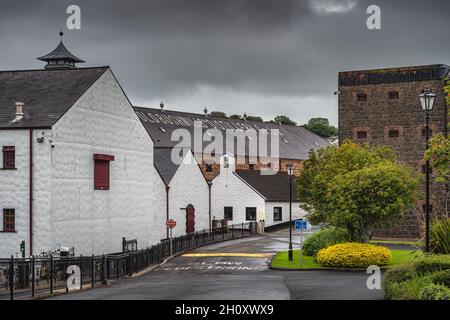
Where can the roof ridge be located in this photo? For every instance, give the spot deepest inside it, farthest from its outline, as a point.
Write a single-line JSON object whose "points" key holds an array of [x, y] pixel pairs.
{"points": [[50, 70]]}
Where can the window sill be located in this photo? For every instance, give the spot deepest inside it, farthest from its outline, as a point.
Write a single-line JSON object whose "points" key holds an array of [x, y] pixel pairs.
{"points": [[8, 169], [8, 231]]}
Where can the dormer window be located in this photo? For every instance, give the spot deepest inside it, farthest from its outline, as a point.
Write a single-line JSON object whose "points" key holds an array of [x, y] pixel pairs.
{"points": [[226, 162], [361, 97], [394, 95]]}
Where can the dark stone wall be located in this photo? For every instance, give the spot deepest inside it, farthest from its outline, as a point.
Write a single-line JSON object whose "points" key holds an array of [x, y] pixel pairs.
{"points": [[382, 117]]}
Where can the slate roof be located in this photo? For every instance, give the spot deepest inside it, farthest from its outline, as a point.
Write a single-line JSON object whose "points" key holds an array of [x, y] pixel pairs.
{"points": [[164, 164], [275, 188], [60, 52], [295, 142], [47, 94]]}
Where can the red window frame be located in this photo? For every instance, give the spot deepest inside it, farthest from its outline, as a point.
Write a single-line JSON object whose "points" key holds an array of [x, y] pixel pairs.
{"points": [[102, 171], [9, 220], [9, 157]]}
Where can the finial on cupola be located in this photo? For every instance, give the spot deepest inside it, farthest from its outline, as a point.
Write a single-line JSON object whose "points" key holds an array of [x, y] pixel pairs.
{"points": [[60, 58], [205, 111], [162, 106]]}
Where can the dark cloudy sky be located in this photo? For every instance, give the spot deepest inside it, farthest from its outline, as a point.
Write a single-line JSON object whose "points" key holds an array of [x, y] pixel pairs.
{"points": [[263, 57]]}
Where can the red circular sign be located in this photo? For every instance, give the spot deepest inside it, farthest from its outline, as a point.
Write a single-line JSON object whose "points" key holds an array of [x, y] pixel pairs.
{"points": [[171, 224]]}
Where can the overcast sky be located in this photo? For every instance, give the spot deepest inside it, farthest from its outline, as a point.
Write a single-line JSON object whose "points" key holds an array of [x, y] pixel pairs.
{"points": [[263, 57]]}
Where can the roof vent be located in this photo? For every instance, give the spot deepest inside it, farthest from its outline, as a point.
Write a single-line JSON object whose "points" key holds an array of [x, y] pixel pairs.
{"points": [[19, 112], [205, 111]]}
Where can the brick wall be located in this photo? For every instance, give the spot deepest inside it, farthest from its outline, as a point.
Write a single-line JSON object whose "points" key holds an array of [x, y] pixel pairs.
{"points": [[397, 123]]}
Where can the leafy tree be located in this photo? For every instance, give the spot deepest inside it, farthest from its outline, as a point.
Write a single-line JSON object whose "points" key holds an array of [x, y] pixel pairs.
{"points": [[218, 114], [356, 187], [284, 120], [322, 127], [255, 119], [439, 156], [236, 117]]}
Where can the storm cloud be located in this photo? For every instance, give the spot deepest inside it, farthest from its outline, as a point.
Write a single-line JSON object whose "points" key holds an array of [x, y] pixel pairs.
{"points": [[263, 57]]}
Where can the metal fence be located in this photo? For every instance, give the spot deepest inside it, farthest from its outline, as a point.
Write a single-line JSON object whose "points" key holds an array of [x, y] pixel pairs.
{"points": [[29, 277]]}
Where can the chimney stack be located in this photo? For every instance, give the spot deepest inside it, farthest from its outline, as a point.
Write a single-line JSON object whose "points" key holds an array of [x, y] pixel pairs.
{"points": [[19, 112]]}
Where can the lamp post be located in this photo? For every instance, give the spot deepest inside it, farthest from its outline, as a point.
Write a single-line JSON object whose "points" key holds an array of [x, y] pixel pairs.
{"points": [[290, 171], [427, 100]]}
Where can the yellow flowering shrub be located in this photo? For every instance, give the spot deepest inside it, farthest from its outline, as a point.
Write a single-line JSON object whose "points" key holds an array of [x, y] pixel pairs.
{"points": [[354, 255]]}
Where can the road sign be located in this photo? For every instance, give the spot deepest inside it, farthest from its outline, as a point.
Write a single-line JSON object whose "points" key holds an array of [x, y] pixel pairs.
{"points": [[171, 224], [301, 225]]}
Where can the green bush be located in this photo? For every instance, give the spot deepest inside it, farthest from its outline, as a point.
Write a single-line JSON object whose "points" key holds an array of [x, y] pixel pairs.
{"points": [[435, 292], [440, 236], [323, 239], [441, 278], [422, 279]]}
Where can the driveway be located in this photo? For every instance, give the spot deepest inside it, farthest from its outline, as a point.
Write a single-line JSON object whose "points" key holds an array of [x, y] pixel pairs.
{"points": [[234, 270]]}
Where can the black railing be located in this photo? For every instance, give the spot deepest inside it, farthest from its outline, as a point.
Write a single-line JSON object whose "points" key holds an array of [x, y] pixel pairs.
{"points": [[29, 277]]}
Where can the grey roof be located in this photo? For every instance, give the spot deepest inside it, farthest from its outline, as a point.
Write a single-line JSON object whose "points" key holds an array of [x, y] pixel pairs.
{"points": [[47, 94], [164, 164], [295, 142], [60, 52], [275, 188]]}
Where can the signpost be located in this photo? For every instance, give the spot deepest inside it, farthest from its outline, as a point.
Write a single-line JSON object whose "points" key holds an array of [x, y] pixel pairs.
{"points": [[301, 225], [171, 224]]}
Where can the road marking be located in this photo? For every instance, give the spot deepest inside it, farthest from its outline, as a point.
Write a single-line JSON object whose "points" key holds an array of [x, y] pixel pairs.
{"points": [[232, 255]]}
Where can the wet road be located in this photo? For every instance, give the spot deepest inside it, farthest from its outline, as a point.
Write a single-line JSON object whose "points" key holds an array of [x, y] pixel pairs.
{"points": [[235, 270]]}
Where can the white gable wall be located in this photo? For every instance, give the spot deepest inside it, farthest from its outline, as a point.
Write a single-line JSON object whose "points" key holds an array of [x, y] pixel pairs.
{"points": [[189, 187], [94, 222], [228, 190]]}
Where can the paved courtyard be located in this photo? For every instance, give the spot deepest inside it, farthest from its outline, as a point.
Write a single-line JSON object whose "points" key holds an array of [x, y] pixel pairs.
{"points": [[235, 270]]}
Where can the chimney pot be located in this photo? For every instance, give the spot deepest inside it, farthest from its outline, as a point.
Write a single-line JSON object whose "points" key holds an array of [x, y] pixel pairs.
{"points": [[19, 112]]}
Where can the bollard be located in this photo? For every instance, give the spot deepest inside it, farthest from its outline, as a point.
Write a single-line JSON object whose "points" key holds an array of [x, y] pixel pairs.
{"points": [[11, 279], [81, 272], [51, 274]]}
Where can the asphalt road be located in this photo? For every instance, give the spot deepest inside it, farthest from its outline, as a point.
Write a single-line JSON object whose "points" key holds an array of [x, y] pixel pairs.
{"points": [[225, 271]]}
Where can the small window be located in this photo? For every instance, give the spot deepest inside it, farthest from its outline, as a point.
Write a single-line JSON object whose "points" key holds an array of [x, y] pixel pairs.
{"points": [[277, 214], [362, 135], [424, 132], [430, 207], [361, 97], [394, 95], [424, 169], [9, 220], [226, 162], [251, 167], [209, 167], [228, 213], [101, 171], [9, 157], [394, 133], [250, 214]]}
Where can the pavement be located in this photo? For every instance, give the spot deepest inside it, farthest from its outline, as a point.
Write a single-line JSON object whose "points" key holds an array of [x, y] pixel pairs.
{"points": [[235, 270]]}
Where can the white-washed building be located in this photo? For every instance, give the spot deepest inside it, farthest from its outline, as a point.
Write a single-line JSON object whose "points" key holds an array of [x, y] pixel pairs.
{"points": [[245, 195], [76, 164]]}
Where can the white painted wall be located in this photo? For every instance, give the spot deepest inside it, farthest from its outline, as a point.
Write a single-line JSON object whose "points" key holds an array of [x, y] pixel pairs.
{"points": [[14, 191], [228, 190], [189, 187], [297, 213], [94, 222]]}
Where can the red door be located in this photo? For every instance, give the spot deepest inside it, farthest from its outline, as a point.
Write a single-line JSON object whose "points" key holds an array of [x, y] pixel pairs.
{"points": [[190, 219]]}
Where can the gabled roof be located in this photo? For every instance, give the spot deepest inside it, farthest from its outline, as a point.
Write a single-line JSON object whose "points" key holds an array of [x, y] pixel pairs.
{"points": [[60, 52], [295, 142], [167, 169], [275, 188], [47, 94]]}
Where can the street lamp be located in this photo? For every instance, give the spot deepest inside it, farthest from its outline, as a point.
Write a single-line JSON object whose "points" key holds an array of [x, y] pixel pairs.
{"points": [[290, 171], [427, 100]]}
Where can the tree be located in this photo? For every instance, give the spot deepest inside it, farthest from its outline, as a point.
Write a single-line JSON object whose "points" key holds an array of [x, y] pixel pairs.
{"points": [[255, 119], [284, 120], [236, 117], [218, 114], [439, 156], [322, 127], [356, 187]]}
